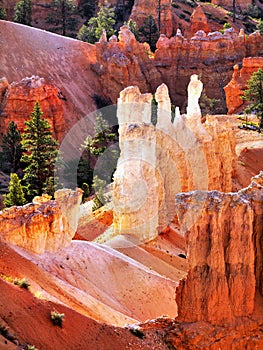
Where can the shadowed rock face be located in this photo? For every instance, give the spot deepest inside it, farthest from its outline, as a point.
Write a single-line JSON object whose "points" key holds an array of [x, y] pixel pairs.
{"points": [[225, 255], [45, 225]]}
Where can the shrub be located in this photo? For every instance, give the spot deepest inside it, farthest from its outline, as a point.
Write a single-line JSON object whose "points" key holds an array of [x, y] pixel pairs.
{"points": [[57, 318], [31, 347], [23, 283]]}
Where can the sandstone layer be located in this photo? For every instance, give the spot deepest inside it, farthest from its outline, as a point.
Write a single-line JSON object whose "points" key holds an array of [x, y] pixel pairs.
{"points": [[125, 62], [45, 225], [19, 98], [225, 255], [235, 88], [158, 162]]}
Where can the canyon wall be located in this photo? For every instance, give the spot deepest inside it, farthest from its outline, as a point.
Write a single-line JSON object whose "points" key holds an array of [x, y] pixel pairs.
{"points": [[44, 225], [144, 8], [158, 162], [235, 88], [17, 101], [224, 252], [126, 62]]}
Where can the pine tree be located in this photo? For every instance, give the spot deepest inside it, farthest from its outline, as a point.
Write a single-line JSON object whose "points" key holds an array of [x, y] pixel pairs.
{"points": [[40, 154], [63, 16], [16, 194], [149, 32], [12, 149], [2, 11], [23, 12], [93, 31], [133, 28], [254, 94]]}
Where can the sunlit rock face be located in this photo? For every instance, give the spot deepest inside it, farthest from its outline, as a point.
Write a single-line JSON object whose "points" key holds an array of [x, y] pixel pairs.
{"points": [[122, 62], [45, 225], [18, 99], [143, 8], [199, 21], [224, 251], [235, 88], [178, 154]]}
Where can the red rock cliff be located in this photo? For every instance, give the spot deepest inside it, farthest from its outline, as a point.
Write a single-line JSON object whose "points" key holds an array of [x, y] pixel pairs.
{"points": [[235, 88], [126, 62], [19, 98], [225, 255]]}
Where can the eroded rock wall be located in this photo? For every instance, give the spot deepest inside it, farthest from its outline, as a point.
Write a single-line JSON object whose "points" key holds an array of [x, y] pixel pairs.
{"points": [[43, 226], [126, 62], [224, 252], [18, 99]]}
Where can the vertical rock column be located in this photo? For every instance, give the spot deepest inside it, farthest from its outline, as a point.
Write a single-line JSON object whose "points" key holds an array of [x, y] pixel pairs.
{"points": [[136, 179]]}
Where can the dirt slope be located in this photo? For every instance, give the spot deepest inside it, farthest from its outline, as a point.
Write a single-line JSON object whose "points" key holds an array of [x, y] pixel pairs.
{"points": [[61, 61]]}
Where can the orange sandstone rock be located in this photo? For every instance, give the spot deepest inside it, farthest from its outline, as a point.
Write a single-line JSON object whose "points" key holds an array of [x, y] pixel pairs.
{"points": [[225, 256], [19, 99], [235, 88], [199, 21], [45, 225]]}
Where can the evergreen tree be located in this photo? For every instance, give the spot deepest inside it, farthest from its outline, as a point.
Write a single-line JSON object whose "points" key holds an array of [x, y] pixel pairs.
{"points": [[63, 16], [12, 149], [16, 194], [40, 154], [88, 8], [2, 13], [260, 26], [254, 94], [149, 32], [93, 31], [23, 12], [133, 28]]}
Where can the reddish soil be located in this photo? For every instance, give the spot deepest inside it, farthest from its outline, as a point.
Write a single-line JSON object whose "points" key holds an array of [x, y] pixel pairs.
{"points": [[250, 163]]}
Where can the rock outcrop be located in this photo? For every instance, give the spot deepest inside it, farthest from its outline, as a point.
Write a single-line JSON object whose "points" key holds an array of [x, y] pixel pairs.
{"points": [[43, 226], [235, 88], [144, 8], [175, 156], [18, 99], [199, 21], [224, 252], [126, 62]]}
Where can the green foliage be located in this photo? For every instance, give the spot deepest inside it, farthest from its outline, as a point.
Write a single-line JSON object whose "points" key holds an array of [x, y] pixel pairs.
{"points": [[16, 195], [89, 8], [154, 108], [31, 347], [63, 16], [12, 149], [39, 154], [149, 32], [260, 26], [98, 186], [23, 12], [22, 283], [93, 31], [133, 28], [2, 13], [86, 191], [254, 94], [208, 105], [57, 318]]}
